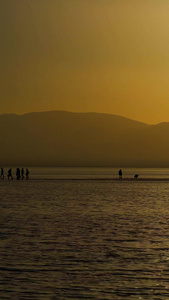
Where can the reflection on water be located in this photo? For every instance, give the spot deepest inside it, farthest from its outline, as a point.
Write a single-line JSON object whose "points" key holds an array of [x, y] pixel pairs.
{"points": [[84, 240]]}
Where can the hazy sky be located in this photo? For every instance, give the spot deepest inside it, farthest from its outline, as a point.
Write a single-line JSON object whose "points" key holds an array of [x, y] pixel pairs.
{"points": [[85, 55]]}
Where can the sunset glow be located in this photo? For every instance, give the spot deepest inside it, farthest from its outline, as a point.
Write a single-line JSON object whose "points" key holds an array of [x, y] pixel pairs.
{"points": [[82, 56]]}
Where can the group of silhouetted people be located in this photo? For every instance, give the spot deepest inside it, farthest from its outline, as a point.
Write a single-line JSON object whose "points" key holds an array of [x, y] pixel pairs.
{"points": [[19, 173]]}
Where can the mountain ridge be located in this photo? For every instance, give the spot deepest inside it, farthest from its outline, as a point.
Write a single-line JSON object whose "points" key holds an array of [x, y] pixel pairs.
{"points": [[61, 138], [69, 112]]}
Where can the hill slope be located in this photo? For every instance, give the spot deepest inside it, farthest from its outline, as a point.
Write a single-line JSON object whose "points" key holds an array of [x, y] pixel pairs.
{"points": [[61, 138]]}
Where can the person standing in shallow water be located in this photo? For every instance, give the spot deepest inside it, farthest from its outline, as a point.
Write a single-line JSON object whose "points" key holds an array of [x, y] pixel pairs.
{"points": [[22, 173], [18, 174], [27, 173], [2, 173], [120, 174], [10, 174]]}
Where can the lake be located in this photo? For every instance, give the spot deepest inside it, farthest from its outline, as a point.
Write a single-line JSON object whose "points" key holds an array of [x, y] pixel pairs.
{"points": [[62, 238]]}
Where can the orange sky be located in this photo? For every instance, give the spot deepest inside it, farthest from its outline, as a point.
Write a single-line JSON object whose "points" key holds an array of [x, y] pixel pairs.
{"points": [[81, 55]]}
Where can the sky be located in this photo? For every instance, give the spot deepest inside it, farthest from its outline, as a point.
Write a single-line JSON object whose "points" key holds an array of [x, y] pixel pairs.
{"points": [[108, 56]]}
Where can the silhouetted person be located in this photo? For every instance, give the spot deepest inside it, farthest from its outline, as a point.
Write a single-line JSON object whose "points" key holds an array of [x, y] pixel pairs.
{"points": [[120, 174], [18, 174], [136, 176], [22, 173], [27, 174], [10, 174], [2, 173]]}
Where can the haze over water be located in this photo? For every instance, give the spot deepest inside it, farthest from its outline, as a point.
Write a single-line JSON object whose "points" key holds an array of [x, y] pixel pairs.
{"points": [[84, 239]]}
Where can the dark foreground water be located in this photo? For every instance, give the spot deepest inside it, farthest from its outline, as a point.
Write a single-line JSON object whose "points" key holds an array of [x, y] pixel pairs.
{"points": [[86, 239]]}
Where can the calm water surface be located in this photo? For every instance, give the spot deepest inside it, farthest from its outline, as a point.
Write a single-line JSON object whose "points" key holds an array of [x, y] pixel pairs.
{"points": [[87, 239]]}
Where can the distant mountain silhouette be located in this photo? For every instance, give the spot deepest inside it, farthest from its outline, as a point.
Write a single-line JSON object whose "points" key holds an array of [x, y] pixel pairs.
{"points": [[60, 138]]}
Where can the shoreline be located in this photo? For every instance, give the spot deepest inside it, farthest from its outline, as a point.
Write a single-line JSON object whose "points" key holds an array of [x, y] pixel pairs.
{"points": [[89, 179]]}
